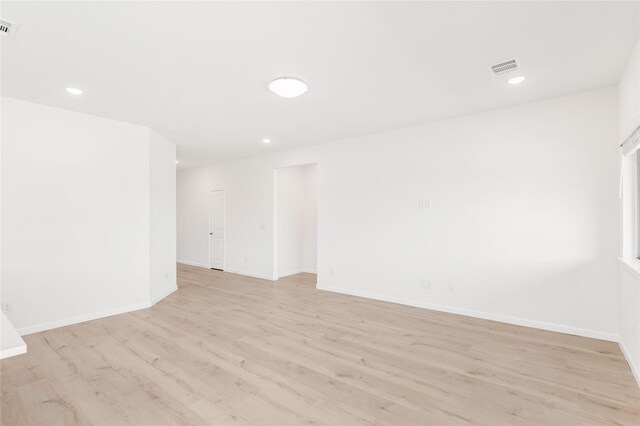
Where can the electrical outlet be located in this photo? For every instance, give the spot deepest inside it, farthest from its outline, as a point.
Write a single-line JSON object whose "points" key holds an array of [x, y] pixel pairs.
{"points": [[7, 307], [246, 260], [450, 286], [330, 271], [424, 204], [425, 284], [166, 275]]}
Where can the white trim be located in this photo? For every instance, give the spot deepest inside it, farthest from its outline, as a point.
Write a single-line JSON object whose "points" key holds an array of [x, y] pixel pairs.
{"points": [[276, 229], [250, 274], [274, 223], [286, 274], [230, 271], [634, 369], [187, 262], [479, 314], [18, 350], [224, 243], [82, 318], [632, 143], [93, 316], [11, 344], [632, 265], [298, 271], [163, 295]]}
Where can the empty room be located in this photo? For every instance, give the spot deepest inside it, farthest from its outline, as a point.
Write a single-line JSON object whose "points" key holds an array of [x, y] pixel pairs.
{"points": [[320, 212]]}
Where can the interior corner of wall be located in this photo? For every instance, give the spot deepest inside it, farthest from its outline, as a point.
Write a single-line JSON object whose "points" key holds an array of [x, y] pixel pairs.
{"points": [[153, 299]]}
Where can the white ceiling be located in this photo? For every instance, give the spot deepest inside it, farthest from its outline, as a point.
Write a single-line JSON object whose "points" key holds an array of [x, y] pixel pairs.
{"points": [[198, 71]]}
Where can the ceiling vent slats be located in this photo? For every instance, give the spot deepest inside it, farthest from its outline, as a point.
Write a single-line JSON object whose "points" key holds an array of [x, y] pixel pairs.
{"points": [[504, 67]]}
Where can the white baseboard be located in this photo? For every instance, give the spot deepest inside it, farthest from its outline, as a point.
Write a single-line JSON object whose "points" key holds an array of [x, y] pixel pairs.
{"points": [[18, 350], [229, 270], [11, 344], [82, 318], [479, 314], [163, 295], [297, 271], [94, 315], [187, 262], [286, 274], [249, 274], [635, 369]]}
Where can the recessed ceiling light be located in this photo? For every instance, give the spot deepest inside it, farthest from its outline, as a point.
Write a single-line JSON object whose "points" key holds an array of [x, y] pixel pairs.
{"points": [[177, 161], [74, 91], [288, 87], [266, 140], [516, 80]]}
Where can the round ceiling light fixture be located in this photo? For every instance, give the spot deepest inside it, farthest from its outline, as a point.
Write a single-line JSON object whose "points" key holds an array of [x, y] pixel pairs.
{"points": [[516, 80], [73, 91], [266, 140], [288, 87]]}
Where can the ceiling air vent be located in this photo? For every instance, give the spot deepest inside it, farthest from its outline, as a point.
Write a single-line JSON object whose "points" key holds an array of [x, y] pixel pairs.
{"points": [[7, 29], [504, 67]]}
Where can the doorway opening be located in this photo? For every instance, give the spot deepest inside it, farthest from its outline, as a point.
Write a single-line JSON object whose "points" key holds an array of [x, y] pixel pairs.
{"points": [[217, 230], [296, 230]]}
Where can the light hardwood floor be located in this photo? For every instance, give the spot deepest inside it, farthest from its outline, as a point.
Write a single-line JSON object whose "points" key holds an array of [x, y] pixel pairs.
{"points": [[226, 349]]}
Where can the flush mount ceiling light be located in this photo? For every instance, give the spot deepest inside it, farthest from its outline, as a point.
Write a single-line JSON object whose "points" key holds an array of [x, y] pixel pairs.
{"points": [[177, 161], [516, 80], [74, 91], [288, 87], [266, 140]]}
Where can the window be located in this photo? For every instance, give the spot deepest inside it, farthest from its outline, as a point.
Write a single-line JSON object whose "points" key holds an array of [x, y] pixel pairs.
{"points": [[630, 192]]}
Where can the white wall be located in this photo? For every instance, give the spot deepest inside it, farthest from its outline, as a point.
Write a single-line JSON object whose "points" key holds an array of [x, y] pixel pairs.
{"points": [[162, 191], [629, 95], [75, 215], [249, 216], [629, 119], [524, 214], [290, 220], [192, 202], [296, 220], [630, 316], [310, 231]]}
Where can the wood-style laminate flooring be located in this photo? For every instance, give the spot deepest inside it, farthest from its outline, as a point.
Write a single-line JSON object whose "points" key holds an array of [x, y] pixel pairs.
{"points": [[226, 349]]}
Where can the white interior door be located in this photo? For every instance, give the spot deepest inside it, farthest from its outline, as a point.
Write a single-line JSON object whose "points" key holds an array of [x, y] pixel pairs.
{"points": [[216, 229]]}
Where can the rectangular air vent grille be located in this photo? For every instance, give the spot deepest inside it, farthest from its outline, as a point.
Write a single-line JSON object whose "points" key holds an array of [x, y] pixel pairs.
{"points": [[504, 67], [7, 29]]}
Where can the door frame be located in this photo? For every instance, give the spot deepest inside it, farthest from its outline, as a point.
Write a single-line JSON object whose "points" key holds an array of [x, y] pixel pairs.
{"points": [[224, 222], [275, 224]]}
